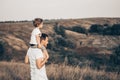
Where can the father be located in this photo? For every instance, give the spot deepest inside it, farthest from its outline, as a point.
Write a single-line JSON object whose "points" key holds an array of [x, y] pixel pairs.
{"points": [[37, 59]]}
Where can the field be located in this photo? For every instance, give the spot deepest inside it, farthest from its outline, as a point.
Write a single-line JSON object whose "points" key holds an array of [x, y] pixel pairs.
{"points": [[20, 71]]}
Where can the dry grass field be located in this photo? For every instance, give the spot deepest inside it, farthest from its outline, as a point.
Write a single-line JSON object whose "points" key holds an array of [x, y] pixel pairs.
{"points": [[21, 71]]}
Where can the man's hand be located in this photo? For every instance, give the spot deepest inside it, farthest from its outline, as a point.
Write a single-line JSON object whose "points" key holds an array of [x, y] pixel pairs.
{"points": [[40, 62], [39, 46]]}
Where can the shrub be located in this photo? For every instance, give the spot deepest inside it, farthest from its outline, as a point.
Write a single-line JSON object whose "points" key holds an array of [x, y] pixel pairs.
{"points": [[59, 30], [79, 29], [2, 50], [5, 52], [96, 28], [70, 44], [115, 29], [115, 60], [60, 41], [105, 29], [115, 57]]}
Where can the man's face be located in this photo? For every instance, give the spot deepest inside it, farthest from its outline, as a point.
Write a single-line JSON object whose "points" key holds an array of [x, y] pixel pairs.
{"points": [[46, 42]]}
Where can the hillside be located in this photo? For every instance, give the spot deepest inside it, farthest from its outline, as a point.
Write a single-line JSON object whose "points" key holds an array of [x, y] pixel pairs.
{"points": [[68, 38]]}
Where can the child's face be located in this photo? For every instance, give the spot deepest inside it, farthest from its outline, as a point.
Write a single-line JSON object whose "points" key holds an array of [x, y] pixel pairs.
{"points": [[41, 25]]}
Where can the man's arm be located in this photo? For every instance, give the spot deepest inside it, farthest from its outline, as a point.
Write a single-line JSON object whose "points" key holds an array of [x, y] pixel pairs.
{"points": [[26, 59], [46, 53], [40, 63]]}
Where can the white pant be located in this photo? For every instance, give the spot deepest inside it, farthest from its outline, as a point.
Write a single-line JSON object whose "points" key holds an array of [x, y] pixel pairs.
{"points": [[37, 74]]}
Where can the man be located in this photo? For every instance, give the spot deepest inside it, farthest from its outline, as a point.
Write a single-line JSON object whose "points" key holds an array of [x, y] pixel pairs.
{"points": [[37, 58]]}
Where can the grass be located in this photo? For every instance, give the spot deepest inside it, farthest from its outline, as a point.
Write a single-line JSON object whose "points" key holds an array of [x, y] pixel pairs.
{"points": [[14, 71], [21, 71]]}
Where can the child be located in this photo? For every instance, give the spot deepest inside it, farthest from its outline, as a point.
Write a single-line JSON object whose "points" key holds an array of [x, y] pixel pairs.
{"points": [[36, 33]]}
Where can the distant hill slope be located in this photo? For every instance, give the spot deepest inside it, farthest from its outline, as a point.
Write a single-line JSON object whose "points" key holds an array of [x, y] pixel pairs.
{"points": [[66, 38]]}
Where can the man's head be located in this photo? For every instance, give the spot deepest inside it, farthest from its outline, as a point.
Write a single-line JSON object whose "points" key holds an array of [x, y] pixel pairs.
{"points": [[44, 39]]}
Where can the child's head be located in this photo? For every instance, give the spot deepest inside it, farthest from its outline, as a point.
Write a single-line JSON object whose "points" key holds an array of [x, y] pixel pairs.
{"points": [[38, 22]]}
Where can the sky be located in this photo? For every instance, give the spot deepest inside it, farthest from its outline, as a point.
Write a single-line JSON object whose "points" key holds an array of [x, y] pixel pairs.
{"points": [[16, 10]]}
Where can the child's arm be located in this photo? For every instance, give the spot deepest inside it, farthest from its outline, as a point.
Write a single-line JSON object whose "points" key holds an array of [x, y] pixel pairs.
{"points": [[26, 59], [38, 41]]}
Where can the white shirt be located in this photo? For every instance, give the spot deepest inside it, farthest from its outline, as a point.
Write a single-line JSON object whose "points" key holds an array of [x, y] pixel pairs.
{"points": [[35, 32], [36, 74]]}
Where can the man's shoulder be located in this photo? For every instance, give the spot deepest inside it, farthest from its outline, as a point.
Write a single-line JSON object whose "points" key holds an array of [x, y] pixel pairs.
{"points": [[39, 54]]}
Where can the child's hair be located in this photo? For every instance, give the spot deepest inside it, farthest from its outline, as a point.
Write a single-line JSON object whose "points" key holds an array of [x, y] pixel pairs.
{"points": [[37, 21], [43, 36]]}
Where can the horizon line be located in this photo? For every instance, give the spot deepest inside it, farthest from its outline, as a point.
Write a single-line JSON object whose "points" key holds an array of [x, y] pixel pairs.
{"points": [[55, 19]]}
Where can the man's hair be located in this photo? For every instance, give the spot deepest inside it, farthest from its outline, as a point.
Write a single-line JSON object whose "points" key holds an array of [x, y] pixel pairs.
{"points": [[43, 36], [37, 21]]}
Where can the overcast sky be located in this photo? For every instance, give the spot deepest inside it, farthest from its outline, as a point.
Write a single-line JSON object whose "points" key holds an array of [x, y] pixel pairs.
{"points": [[57, 9]]}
